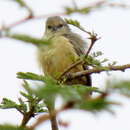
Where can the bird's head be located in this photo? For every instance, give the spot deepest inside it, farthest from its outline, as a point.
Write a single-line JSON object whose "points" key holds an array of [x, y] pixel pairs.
{"points": [[56, 26]]}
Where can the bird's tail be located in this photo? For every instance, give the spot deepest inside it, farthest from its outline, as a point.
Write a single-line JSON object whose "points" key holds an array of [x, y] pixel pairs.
{"points": [[88, 77]]}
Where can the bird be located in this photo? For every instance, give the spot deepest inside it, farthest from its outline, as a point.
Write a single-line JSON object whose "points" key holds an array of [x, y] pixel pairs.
{"points": [[64, 48]]}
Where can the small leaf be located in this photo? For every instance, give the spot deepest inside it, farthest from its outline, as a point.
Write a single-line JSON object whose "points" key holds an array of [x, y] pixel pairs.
{"points": [[104, 60], [73, 22], [123, 87], [84, 10], [27, 88], [29, 39], [40, 107], [30, 76], [27, 96], [10, 127], [7, 103], [95, 105], [69, 94], [96, 54], [69, 10]]}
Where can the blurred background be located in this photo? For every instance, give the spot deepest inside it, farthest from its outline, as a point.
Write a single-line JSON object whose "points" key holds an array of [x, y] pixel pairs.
{"points": [[112, 24]]}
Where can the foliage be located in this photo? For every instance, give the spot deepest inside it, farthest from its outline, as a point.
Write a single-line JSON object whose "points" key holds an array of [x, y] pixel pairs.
{"points": [[49, 90], [85, 10], [35, 101], [27, 38], [10, 127], [119, 86]]}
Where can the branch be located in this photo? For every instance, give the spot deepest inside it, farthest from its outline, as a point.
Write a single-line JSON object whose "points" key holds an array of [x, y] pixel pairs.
{"points": [[32, 17], [93, 38], [29, 18], [45, 117], [98, 70], [27, 116]]}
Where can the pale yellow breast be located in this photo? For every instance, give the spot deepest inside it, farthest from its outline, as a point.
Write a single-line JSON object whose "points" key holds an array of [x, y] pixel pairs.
{"points": [[57, 56]]}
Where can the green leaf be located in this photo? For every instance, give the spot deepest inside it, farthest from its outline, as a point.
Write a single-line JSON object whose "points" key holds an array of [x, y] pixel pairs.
{"points": [[7, 103], [69, 93], [27, 96], [30, 76], [84, 10], [122, 87], [82, 89], [28, 39], [40, 107], [104, 60], [10, 127], [76, 92], [69, 10], [49, 89], [94, 105], [72, 22], [96, 54], [27, 88], [93, 61]]}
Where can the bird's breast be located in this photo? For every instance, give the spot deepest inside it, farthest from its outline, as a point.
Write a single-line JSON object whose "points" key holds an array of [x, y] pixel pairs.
{"points": [[57, 56]]}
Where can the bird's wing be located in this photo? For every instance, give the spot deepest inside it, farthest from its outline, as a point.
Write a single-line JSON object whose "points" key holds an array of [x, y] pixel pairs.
{"points": [[79, 46], [77, 43]]}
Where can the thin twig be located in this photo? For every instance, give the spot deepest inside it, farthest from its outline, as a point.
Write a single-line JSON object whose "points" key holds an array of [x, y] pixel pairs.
{"points": [[32, 17], [119, 5], [27, 116], [29, 18], [93, 38], [54, 124], [98, 70], [80, 61], [45, 117]]}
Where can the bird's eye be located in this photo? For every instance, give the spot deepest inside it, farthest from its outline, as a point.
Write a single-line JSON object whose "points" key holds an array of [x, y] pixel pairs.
{"points": [[60, 26], [49, 27]]}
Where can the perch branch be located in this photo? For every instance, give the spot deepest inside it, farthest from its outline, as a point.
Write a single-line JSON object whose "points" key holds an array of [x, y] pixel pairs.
{"points": [[98, 70]]}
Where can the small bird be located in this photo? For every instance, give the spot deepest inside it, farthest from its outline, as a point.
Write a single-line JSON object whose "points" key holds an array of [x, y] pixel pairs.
{"points": [[64, 49]]}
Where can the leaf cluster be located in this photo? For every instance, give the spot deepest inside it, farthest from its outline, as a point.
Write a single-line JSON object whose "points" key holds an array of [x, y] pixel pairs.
{"points": [[26, 103], [69, 10], [79, 94], [95, 61]]}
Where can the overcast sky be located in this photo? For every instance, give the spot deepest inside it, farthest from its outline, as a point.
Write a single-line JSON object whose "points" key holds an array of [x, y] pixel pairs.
{"points": [[112, 24]]}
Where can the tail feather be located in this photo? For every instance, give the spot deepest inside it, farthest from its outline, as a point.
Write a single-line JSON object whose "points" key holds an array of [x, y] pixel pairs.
{"points": [[88, 77]]}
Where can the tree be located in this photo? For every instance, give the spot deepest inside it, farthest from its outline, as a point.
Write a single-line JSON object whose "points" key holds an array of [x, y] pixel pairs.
{"points": [[73, 97]]}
